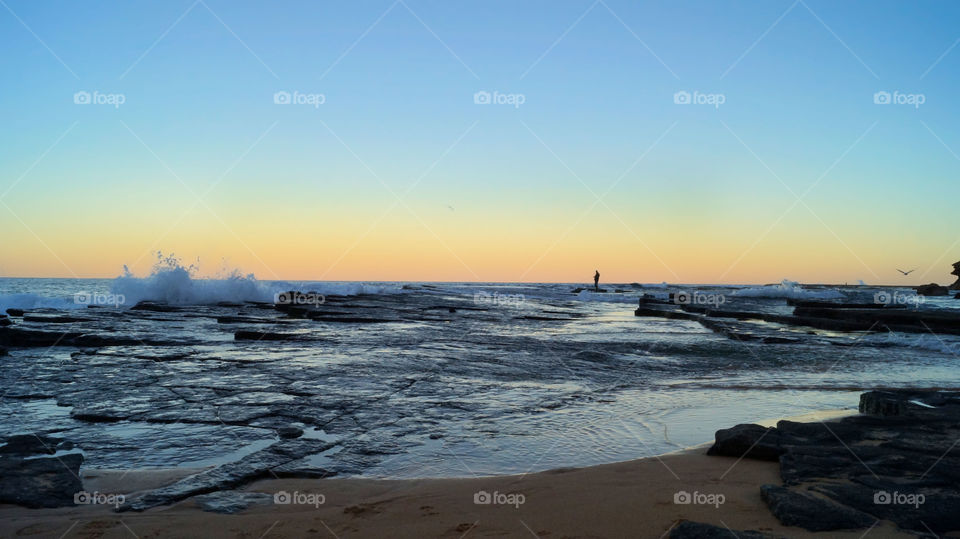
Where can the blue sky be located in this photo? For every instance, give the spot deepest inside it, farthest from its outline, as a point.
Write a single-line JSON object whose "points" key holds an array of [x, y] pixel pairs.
{"points": [[398, 79]]}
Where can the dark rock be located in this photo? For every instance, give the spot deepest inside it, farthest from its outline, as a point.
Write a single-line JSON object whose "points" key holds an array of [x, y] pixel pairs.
{"points": [[911, 504], [793, 507], [750, 441], [956, 271], [15, 312], [32, 338], [290, 432], [696, 530], [350, 319], [155, 307], [3, 352], [248, 320], [245, 335], [252, 467], [5, 322], [820, 304], [34, 476], [843, 474], [932, 289], [230, 502], [65, 319]]}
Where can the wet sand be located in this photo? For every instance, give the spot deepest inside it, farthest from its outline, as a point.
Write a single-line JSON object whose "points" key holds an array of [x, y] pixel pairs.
{"points": [[626, 499]]}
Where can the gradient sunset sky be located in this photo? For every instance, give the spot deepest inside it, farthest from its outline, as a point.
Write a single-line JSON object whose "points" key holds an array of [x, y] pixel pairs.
{"points": [[400, 175]]}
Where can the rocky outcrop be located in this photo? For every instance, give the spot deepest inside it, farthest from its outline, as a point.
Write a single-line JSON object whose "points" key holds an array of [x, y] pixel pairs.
{"points": [[899, 461], [932, 289], [268, 462], [956, 271], [35, 473], [796, 507], [750, 441]]}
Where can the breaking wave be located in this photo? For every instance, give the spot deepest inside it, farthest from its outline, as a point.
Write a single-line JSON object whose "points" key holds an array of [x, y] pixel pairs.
{"points": [[788, 290]]}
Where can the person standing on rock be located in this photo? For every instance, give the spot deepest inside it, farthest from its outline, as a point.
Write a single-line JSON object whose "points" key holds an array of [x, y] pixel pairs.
{"points": [[596, 281]]}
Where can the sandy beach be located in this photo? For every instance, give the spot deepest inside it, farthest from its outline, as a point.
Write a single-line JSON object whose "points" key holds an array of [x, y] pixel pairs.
{"points": [[628, 499], [637, 498]]}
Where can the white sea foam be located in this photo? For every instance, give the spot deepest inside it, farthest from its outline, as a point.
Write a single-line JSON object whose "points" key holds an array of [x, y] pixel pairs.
{"points": [[28, 301], [172, 282], [788, 289]]}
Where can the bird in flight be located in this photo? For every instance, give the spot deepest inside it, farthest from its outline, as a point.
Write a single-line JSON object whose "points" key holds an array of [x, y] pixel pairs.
{"points": [[906, 272]]}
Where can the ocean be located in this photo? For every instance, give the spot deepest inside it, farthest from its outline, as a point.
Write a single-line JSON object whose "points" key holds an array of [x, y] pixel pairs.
{"points": [[430, 379]]}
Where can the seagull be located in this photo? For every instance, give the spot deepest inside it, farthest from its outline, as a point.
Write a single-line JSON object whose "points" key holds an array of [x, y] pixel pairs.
{"points": [[907, 272]]}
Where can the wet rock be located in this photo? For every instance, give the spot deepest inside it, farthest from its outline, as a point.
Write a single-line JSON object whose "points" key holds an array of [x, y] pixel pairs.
{"points": [[63, 319], [246, 335], [33, 338], [15, 312], [351, 319], [696, 530], [932, 289], [794, 507], [899, 462], [247, 320], [35, 476], [255, 466], [3, 352], [290, 432], [750, 441], [156, 307], [230, 502]]}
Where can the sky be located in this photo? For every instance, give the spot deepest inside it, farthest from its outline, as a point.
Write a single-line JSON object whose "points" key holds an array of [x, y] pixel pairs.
{"points": [[683, 141]]}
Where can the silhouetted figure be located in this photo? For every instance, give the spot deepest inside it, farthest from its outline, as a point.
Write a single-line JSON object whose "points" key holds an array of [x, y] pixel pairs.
{"points": [[596, 281]]}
